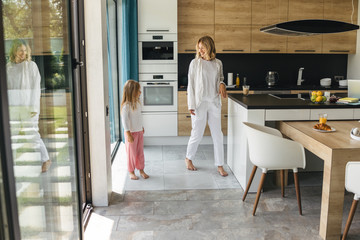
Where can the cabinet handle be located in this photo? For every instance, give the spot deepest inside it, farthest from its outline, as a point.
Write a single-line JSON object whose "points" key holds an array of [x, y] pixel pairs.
{"points": [[301, 50], [226, 115], [157, 30], [233, 50], [269, 50], [339, 51], [188, 116], [190, 50]]}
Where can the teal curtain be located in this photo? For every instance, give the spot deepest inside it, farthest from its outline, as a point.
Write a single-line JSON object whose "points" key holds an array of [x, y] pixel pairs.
{"points": [[129, 49]]}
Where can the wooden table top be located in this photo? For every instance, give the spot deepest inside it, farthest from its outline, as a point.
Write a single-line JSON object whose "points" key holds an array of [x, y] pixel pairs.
{"points": [[340, 139]]}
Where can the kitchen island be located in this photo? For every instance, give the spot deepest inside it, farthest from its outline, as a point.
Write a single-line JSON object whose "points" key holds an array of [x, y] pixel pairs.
{"points": [[262, 109]]}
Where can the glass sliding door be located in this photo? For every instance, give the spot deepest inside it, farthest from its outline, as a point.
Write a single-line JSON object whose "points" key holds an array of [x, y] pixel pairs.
{"points": [[40, 94], [114, 100], [4, 229]]}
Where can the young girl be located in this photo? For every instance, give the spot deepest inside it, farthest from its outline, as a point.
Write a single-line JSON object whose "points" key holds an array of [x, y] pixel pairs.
{"points": [[132, 123]]}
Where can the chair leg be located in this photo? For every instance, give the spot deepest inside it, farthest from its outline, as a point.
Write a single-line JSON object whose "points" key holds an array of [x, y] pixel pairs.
{"points": [[263, 175], [282, 182], [250, 181], [297, 188], [350, 218]]}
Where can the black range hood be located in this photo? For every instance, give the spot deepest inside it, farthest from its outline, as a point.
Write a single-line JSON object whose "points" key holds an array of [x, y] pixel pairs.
{"points": [[309, 27]]}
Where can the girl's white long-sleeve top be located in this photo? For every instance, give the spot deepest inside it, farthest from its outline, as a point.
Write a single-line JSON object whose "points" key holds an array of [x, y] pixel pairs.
{"points": [[204, 79], [131, 119], [23, 81]]}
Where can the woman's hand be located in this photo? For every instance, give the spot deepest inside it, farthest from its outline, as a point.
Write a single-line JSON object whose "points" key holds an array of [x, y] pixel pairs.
{"points": [[192, 111], [222, 90]]}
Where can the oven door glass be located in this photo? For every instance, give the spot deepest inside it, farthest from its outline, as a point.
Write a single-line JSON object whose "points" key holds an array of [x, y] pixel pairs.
{"points": [[157, 50], [158, 95]]}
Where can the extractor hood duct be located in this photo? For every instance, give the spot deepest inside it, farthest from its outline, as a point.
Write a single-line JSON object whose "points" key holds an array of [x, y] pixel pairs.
{"points": [[309, 27]]}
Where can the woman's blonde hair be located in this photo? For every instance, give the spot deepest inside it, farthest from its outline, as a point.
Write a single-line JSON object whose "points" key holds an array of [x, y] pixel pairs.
{"points": [[14, 48], [131, 88], [209, 44]]}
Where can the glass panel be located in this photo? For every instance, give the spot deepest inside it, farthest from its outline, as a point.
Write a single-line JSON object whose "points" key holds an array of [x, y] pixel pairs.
{"points": [[39, 79], [4, 230], [113, 75], [158, 50], [154, 96]]}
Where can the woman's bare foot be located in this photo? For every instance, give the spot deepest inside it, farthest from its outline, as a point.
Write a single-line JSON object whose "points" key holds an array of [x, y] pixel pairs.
{"points": [[189, 165], [133, 176], [222, 171], [143, 174]]}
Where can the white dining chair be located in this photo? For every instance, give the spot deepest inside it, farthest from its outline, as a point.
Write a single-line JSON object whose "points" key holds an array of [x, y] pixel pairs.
{"points": [[268, 150], [352, 184]]}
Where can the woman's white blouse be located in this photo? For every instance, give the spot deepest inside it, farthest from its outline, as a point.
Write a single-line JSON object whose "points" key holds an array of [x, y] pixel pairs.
{"points": [[23, 82], [131, 119], [204, 80]]}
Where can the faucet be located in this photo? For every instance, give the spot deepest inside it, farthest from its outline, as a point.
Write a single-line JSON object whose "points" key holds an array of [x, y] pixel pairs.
{"points": [[300, 80]]}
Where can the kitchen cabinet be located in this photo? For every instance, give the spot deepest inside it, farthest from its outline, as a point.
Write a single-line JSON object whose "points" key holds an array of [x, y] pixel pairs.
{"points": [[305, 9], [305, 44], [233, 12], [157, 16], [333, 114], [266, 43], [268, 12], [340, 43], [232, 38], [188, 35], [196, 12], [341, 10]]}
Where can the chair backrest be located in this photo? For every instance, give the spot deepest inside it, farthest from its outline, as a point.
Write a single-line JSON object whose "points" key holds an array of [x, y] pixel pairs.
{"points": [[352, 178], [269, 150]]}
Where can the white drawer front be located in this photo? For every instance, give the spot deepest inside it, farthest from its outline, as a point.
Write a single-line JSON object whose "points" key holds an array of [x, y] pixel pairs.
{"points": [[333, 114], [356, 113], [287, 114], [160, 124]]}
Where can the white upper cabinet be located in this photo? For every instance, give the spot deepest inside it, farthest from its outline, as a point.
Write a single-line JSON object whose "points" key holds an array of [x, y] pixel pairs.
{"points": [[157, 16]]}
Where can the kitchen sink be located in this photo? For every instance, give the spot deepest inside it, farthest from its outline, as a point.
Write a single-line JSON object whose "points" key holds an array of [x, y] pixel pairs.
{"points": [[300, 96]]}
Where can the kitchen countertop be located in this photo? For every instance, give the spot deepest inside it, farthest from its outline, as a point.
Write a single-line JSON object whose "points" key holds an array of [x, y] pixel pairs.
{"points": [[265, 101], [280, 88]]}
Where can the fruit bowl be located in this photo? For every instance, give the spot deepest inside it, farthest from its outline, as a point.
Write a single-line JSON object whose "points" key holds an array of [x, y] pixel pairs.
{"points": [[317, 97]]}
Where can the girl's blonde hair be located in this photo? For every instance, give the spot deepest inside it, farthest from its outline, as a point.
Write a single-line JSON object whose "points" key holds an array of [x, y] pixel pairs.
{"points": [[209, 44], [131, 88], [14, 48]]}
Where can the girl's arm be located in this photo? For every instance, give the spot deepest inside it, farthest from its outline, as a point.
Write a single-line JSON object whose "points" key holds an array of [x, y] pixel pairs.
{"points": [[125, 119]]}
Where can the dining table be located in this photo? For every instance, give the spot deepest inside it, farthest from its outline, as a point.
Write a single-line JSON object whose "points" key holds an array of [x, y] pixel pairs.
{"points": [[335, 148]]}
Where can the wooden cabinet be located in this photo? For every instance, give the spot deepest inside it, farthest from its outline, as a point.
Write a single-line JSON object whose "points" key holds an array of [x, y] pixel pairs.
{"points": [[265, 42], [340, 43], [268, 12], [232, 38], [196, 12], [305, 44], [341, 10], [188, 35], [305, 9], [233, 12]]}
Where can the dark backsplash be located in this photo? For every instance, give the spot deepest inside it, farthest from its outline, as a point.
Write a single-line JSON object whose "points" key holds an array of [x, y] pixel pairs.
{"points": [[255, 66]]}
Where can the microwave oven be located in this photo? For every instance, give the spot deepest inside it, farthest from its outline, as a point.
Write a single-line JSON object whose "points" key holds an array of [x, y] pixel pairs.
{"points": [[158, 48]]}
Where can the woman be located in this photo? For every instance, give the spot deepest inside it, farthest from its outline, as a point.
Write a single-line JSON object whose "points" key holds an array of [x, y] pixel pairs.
{"points": [[23, 81], [205, 85]]}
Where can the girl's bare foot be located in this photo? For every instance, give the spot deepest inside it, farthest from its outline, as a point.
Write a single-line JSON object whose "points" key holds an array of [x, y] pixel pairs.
{"points": [[143, 174], [133, 176], [189, 165], [222, 171]]}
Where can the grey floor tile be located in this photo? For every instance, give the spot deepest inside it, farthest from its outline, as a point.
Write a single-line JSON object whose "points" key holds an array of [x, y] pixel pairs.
{"points": [[154, 182], [190, 181], [153, 153]]}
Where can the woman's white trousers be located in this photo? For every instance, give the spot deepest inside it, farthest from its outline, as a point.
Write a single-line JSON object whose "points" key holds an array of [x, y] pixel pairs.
{"points": [[210, 113]]}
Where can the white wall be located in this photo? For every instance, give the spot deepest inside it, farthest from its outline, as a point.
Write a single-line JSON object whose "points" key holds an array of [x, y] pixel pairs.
{"points": [[98, 99], [353, 71]]}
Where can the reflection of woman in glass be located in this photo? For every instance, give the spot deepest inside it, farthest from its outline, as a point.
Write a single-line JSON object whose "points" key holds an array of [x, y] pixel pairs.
{"points": [[23, 81]]}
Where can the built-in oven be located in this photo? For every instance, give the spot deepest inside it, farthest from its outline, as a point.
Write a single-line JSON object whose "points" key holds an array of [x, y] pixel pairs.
{"points": [[159, 96], [157, 48]]}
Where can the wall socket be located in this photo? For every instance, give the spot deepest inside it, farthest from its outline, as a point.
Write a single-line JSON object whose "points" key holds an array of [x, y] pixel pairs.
{"points": [[337, 78]]}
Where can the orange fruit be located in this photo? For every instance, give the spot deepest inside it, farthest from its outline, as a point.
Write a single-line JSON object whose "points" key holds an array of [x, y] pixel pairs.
{"points": [[319, 99], [319, 93]]}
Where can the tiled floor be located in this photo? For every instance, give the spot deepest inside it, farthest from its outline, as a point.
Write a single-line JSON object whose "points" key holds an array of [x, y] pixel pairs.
{"points": [[166, 206]]}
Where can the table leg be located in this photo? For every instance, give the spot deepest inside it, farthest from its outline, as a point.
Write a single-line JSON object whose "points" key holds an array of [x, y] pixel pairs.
{"points": [[332, 201]]}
